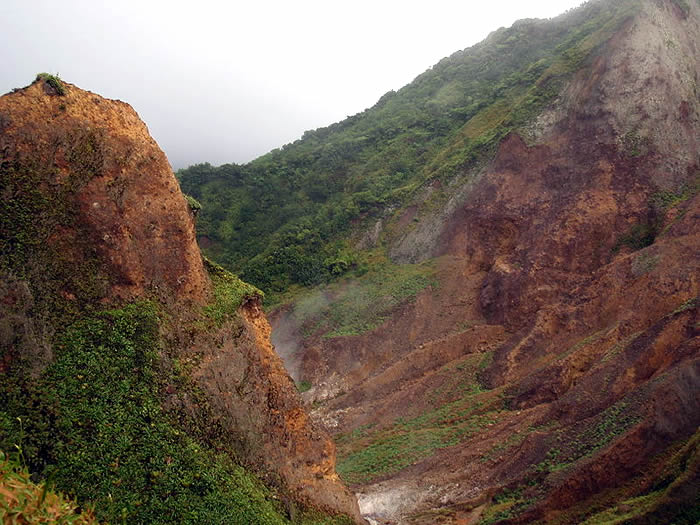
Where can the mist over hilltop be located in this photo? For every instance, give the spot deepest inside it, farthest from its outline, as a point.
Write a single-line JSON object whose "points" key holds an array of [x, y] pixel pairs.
{"points": [[226, 83]]}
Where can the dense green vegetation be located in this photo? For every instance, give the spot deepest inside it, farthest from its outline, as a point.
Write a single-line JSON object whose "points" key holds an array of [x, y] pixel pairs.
{"points": [[92, 424], [284, 218]]}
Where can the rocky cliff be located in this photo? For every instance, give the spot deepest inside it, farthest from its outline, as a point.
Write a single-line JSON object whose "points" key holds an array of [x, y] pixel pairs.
{"points": [[549, 370], [118, 342]]}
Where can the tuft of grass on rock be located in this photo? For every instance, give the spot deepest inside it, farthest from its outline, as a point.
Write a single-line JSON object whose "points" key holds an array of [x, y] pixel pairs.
{"points": [[229, 293], [54, 81]]}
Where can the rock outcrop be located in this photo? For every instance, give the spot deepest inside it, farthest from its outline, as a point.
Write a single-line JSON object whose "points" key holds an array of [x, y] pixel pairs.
{"points": [[251, 395], [93, 217], [114, 195]]}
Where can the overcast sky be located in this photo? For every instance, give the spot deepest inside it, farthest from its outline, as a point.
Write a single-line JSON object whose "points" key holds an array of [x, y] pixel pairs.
{"points": [[227, 81]]}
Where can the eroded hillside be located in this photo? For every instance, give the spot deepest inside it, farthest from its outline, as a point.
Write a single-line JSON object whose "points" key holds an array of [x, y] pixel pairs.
{"points": [[514, 337], [546, 366], [134, 375]]}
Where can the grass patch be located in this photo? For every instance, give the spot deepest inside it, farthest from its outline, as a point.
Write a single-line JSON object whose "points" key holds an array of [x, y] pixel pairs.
{"points": [[406, 443], [353, 308], [513, 440], [600, 432], [26, 502], [625, 510], [673, 496], [508, 503], [459, 380], [365, 455]]}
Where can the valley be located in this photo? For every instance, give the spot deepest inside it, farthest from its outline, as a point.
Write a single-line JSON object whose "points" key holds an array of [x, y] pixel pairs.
{"points": [[475, 302], [513, 334]]}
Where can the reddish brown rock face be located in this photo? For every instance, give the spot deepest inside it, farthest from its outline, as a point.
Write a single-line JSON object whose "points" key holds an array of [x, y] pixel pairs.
{"points": [[125, 202], [579, 287], [120, 221], [253, 395]]}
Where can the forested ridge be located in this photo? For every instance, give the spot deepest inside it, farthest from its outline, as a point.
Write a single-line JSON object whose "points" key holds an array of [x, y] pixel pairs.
{"points": [[284, 218]]}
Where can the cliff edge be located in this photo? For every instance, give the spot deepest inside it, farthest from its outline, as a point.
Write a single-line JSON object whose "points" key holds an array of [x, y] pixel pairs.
{"points": [[103, 283]]}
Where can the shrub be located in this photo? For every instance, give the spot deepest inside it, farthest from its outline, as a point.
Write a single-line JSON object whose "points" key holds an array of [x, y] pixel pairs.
{"points": [[194, 204], [54, 81], [304, 386]]}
